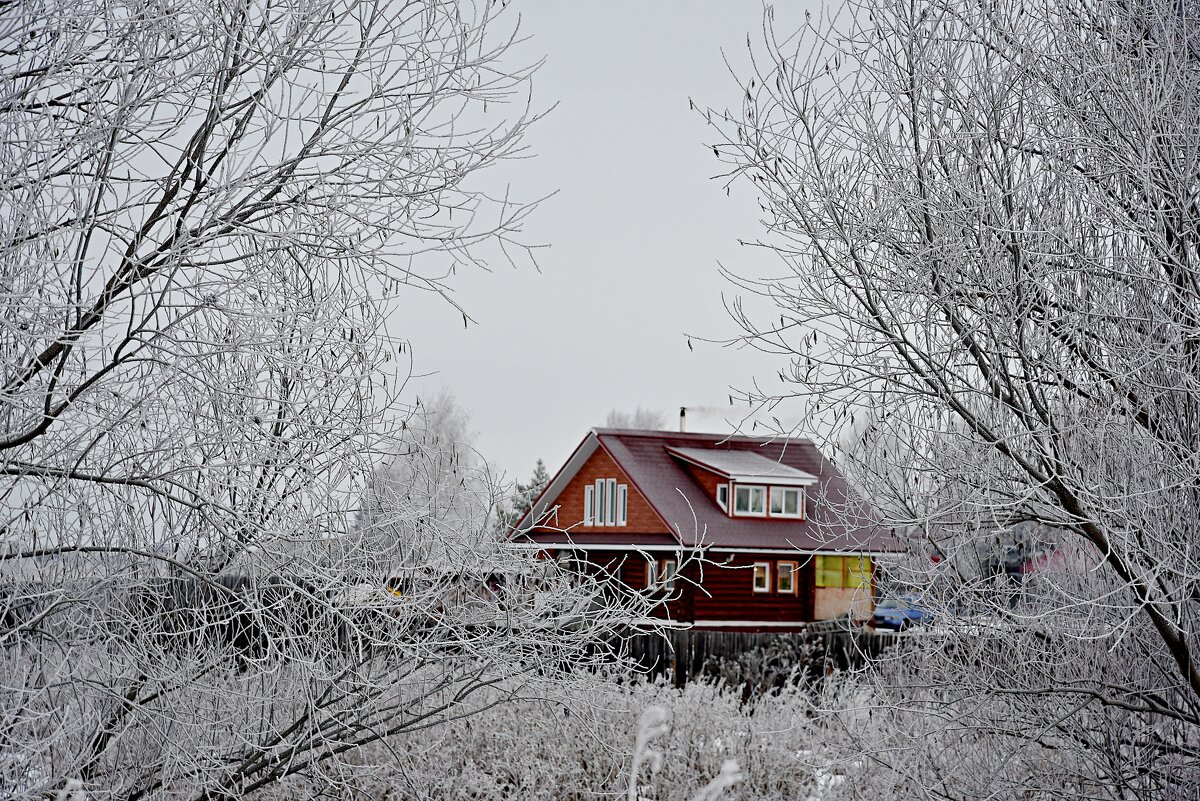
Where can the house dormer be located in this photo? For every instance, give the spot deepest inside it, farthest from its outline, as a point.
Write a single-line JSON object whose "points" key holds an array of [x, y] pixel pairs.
{"points": [[747, 484]]}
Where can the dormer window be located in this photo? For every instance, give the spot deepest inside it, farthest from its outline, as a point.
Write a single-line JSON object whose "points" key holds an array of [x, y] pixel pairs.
{"points": [[787, 502], [723, 497], [750, 500]]}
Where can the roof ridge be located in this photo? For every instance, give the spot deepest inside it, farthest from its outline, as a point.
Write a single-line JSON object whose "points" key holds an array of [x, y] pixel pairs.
{"points": [[649, 433]]}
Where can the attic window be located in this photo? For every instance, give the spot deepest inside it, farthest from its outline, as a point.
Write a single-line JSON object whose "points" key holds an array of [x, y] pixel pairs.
{"points": [[750, 500], [787, 502], [723, 496], [605, 503]]}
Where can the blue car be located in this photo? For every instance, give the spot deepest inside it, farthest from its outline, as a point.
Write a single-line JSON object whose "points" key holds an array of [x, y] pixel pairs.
{"points": [[898, 614]]}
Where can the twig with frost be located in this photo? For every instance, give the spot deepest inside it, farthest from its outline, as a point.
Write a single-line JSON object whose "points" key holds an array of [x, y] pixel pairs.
{"points": [[730, 775], [655, 722]]}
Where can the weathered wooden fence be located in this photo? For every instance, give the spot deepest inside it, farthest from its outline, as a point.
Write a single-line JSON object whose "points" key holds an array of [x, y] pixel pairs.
{"points": [[757, 658]]}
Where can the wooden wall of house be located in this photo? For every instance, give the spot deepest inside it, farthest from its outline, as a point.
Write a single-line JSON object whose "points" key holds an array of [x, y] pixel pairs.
{"points": [[721, 589], [708, 481], [718, 590], [730, 592], [640, 517]]}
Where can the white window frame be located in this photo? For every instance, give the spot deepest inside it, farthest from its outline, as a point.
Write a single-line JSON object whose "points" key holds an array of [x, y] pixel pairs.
{"points": [[665, 579], [610, 502], [792, 574], [606, 503], [599, 505], [762, 488], [766, 574], [723, 497], [782, 493]]}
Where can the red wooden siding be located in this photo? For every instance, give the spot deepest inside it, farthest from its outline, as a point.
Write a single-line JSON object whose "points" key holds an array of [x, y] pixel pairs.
{"points": [[727, 592], [639, 516], [708, 481], [730, 591]]}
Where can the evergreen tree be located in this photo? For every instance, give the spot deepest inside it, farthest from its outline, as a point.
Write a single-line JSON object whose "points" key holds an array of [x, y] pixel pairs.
{"points": [[522, 497]]}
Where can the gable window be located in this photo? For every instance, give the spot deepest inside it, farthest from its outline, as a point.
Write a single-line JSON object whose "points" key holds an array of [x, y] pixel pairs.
{"points": [[723, 497], [605, 503], [762, 576], [750, 500], [785, 577], [787, 502]]}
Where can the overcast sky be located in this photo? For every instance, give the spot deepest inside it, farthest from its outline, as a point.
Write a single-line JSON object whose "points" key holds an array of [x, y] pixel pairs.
{"points": [[636, 235]]}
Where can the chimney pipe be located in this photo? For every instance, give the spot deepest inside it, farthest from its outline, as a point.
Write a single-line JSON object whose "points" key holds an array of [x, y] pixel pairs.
{"points": [[682, 419]]}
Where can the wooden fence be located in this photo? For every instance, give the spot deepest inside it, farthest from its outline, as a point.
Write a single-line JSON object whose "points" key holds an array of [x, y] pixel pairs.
{"points": [[757, 658]]}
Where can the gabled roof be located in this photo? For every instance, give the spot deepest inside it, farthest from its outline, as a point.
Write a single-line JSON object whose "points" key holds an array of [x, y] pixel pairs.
{"points": [[836, 518]]}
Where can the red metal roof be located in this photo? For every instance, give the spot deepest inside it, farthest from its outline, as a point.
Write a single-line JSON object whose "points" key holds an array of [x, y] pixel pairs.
{"points": [[836, 519]]}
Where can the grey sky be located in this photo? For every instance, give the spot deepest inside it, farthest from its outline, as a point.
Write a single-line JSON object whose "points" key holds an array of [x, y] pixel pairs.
{"points": [[636, 234]]}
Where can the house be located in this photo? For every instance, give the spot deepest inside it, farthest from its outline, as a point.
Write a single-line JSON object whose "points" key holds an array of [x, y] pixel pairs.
{"points": [[732, 532]]}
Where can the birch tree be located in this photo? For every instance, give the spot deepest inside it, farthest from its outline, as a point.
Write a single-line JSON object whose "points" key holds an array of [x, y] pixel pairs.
{"points": [[989, 236], [212, 214]]}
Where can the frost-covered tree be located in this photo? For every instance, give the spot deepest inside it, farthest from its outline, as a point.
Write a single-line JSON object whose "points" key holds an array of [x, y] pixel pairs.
{"points": [[641, 417], [209, 212], [989, 223], [427, 504]]}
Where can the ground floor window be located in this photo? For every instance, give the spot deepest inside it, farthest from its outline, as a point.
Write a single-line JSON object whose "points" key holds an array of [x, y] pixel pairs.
{"points": [[785, 577], [762, 576], [667, 570], [661, 573]]}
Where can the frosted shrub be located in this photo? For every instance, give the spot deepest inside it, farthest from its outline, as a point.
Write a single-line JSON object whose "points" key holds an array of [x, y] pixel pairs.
{"points": [[580, 741]]}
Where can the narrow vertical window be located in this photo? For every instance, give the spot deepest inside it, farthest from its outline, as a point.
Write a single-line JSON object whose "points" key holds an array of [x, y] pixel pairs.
{"points": [[723, 496], [589, 505], [599, 519], [610, 498], [622, 504]]}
